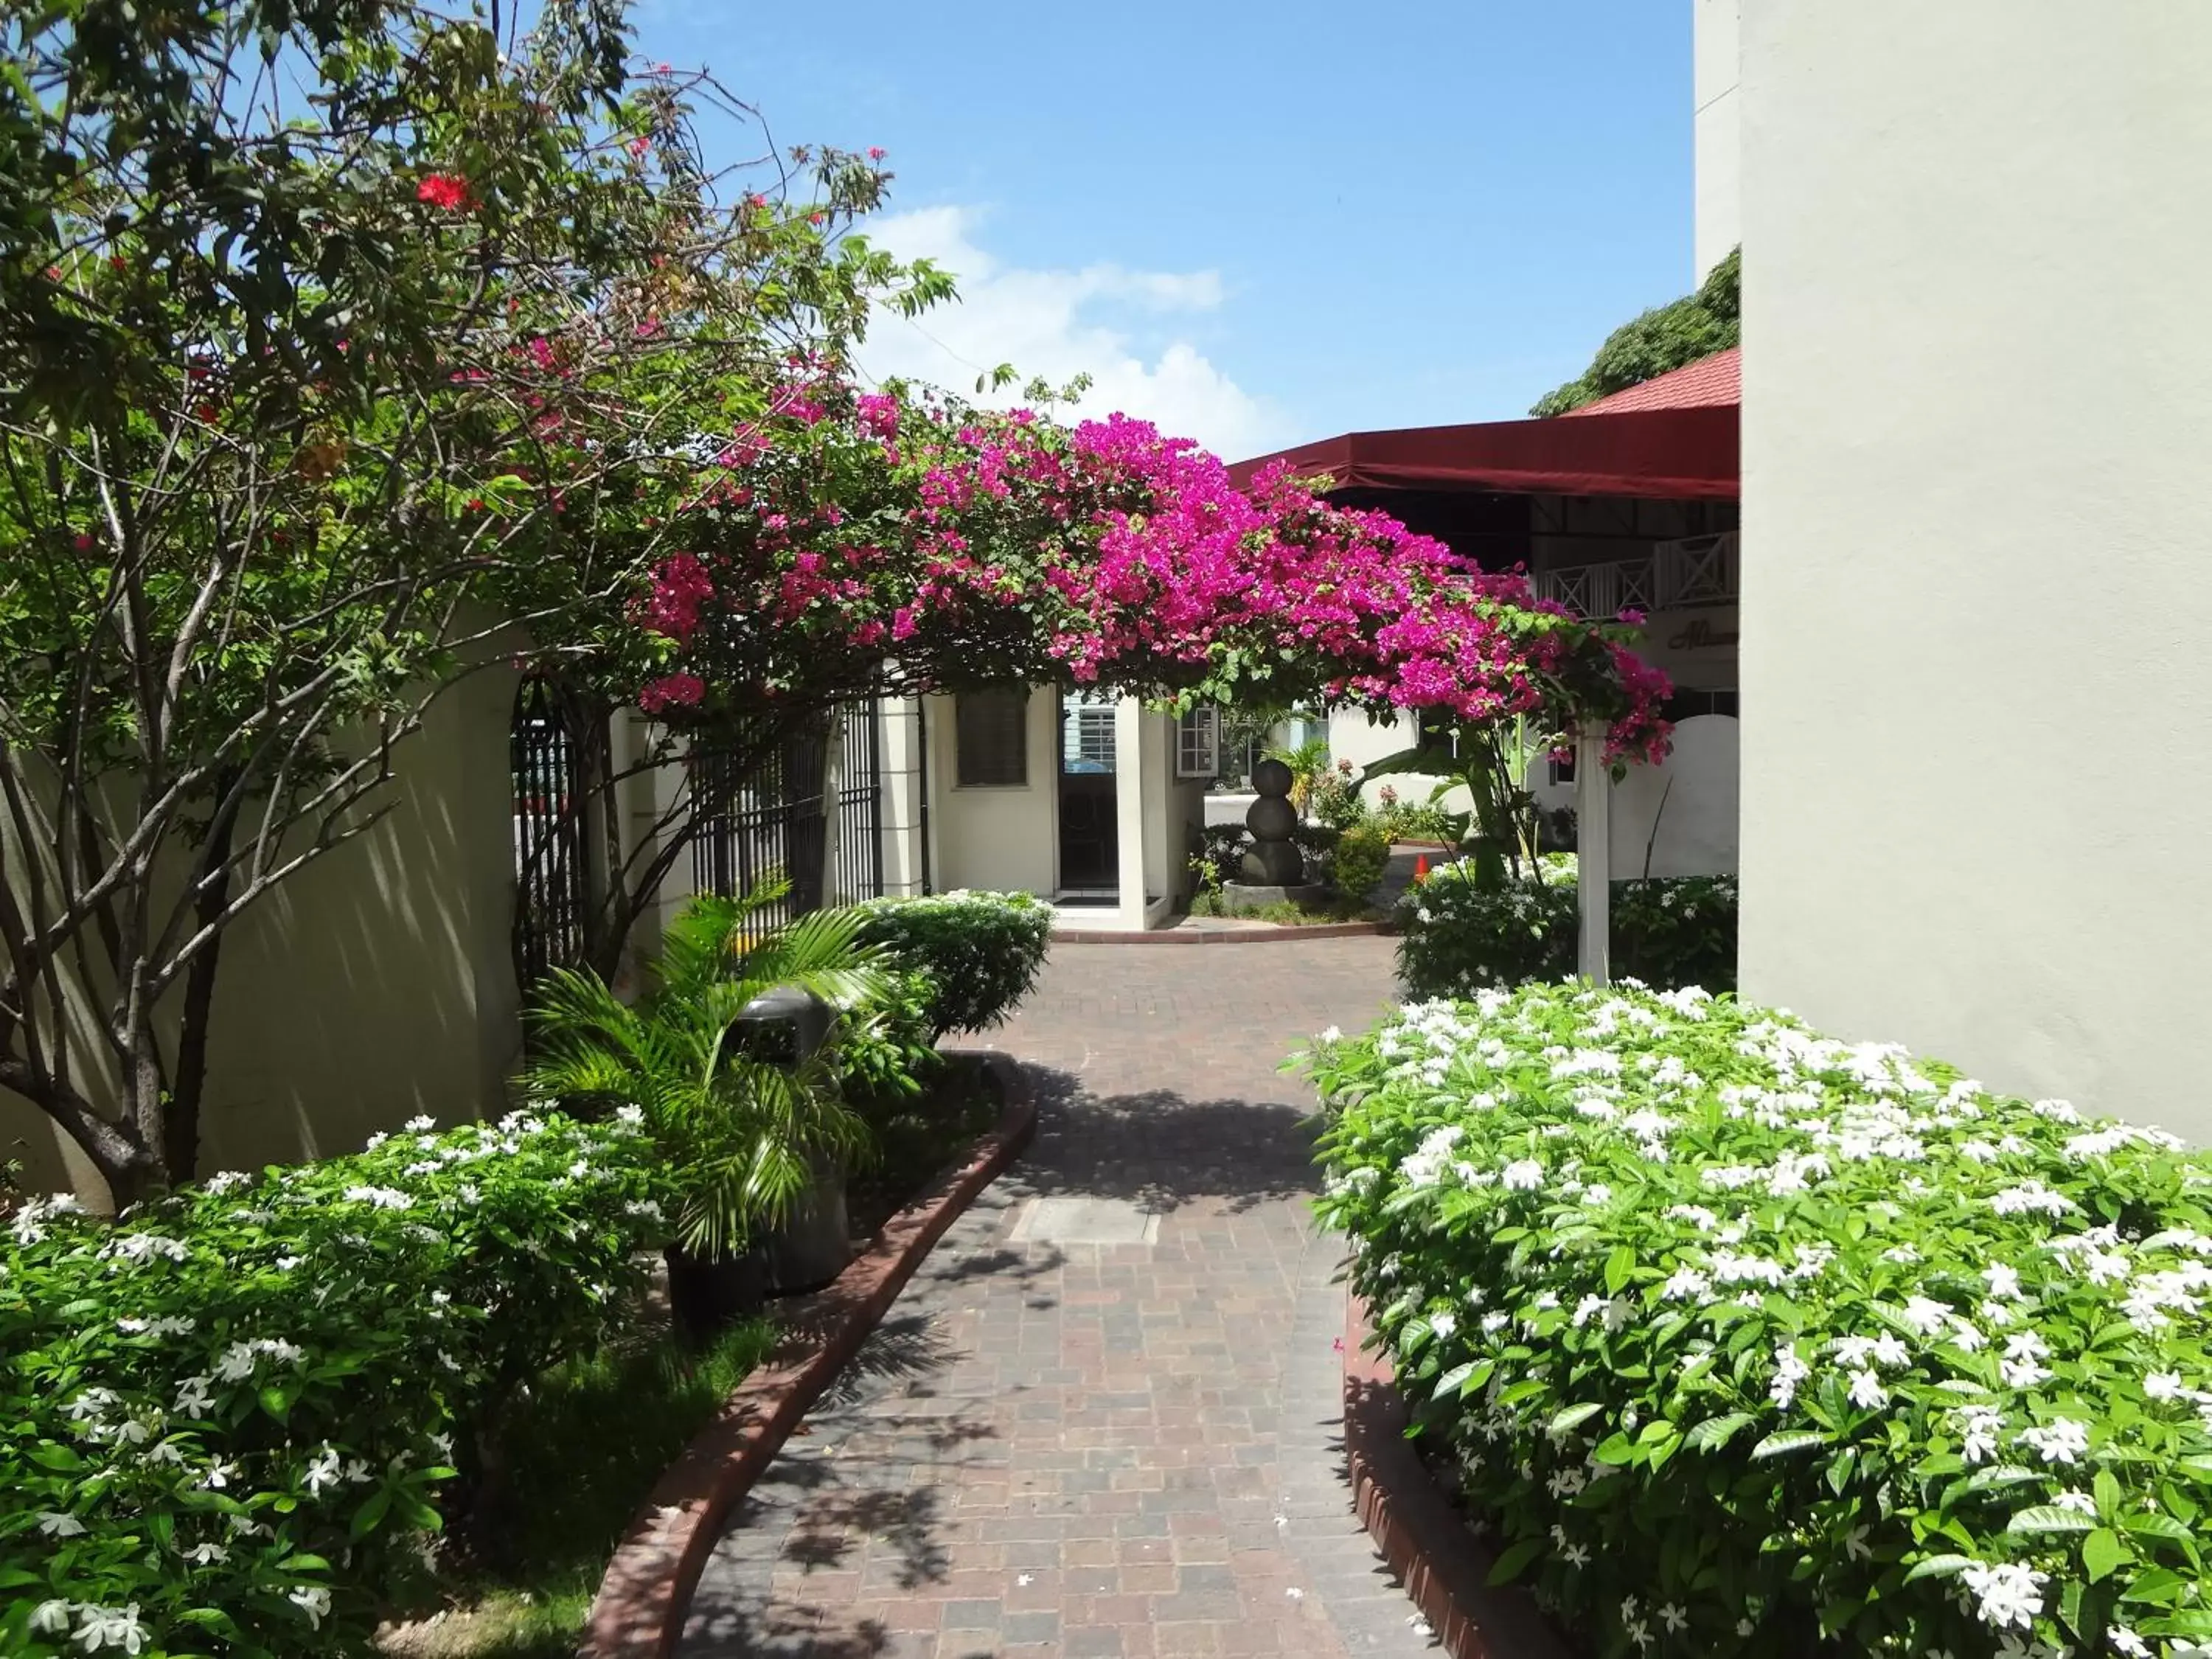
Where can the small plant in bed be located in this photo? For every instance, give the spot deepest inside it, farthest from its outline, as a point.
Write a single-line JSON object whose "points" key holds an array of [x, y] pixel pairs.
{"points": [[577, 1457]]}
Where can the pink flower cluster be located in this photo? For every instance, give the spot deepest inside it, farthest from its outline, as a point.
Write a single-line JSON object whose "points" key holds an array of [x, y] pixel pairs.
{"points": [[1006, 544]]}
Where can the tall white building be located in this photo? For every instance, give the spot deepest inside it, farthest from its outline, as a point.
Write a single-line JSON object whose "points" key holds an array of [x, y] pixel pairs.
{"points": [[1719, 144]]}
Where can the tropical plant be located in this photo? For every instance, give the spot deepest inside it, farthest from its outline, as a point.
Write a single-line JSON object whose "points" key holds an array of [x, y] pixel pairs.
{"points": [[1309, 762], [1490, 760], [1747, 1341], [742, 1133], [1334, 800]]}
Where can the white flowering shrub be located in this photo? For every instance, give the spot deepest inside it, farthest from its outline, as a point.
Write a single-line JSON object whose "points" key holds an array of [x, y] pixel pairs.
{"points": [[1456, 938], [1749, 1341], [982, 952], [223, 1415]]}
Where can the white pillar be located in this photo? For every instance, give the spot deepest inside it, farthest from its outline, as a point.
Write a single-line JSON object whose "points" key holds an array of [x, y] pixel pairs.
{"points": [[1129, 812], [1594, 851]]}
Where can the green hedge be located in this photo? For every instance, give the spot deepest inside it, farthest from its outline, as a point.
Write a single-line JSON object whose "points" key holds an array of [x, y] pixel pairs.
{"points": [[1749, 1342], [1455, 939], [224, 1418], [982, 952]]}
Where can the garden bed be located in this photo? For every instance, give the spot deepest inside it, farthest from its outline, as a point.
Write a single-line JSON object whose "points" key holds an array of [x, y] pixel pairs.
{"points": [[589, 1445]]}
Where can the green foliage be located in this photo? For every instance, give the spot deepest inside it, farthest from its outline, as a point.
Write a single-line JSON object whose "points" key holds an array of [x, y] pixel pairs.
{"points": [[1458, 937], [1749, 1342], [980, 952], [1662, 339], [738, 1132], [1361, 855], [232, 1413], [1422, 821], [1309, 763], [1334, 800]]}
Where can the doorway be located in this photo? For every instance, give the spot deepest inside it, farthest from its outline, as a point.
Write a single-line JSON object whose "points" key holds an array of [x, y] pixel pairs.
{"points": [[1090, 842]]}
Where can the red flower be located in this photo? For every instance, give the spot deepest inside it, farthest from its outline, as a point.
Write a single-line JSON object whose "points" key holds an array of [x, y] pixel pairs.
{"points": [[875, 152], [444, 190], [83, 542], [639, 145], [117, 261]]}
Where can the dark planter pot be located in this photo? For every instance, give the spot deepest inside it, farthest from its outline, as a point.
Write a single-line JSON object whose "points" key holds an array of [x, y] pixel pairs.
{"points": [[814, 1243], [707, 1293]]}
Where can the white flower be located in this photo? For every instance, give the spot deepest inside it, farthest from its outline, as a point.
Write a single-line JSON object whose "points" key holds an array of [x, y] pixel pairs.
{"points": [[632, 1118], [313, 1601], [1443, 1324], [1788, 1371], [2123, 1640], [218, 1477], [2080, 1502], [51, 1618], [194, 1399], [2162, 1385], [1686, 1283], [2031, 1195], [1982, 1424], [1574, 1555], [377, 1140], [1673, 1617], [2007, 1593], [322, 1470], [1855, 1546], [2062, 1441], [2002, 1280], [417, 1125], [1332, 1035], [1523, 1174], [384, 1198], [1867, 1392], [1925, 1314], [53, 1525], [110, 1627], [207, 1555]]}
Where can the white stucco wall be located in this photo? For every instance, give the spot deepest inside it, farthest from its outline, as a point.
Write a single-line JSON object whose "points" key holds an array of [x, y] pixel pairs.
{"points": [[1718, 131], [1977, 396]]}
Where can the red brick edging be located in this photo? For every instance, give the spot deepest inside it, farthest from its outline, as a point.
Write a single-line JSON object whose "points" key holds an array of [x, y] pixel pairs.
{"points": [[1275, 934], [1444, 1568], [642, 1600]]}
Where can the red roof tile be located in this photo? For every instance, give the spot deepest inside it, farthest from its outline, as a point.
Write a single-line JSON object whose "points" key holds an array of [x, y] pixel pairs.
{"points": [[1709, 383]]}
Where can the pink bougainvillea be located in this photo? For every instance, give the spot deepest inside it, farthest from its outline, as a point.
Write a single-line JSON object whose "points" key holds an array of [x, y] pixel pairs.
{"points": [[849, 537]]}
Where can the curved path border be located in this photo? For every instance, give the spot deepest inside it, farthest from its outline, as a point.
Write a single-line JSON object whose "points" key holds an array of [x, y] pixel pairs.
{"points": [[1444, 1568], [1272, 935], [640, 1609]]}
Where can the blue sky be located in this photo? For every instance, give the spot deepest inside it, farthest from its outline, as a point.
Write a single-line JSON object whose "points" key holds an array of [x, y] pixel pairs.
{"points": [[1254, 224]]}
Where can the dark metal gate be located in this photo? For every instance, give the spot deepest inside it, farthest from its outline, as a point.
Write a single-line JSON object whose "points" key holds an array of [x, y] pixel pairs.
{"points": [[776, 817], [552, 884]]}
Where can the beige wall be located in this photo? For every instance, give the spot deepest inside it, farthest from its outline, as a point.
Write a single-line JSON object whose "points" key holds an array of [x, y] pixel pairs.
{"points": [[376, 983], [1977, 413]]}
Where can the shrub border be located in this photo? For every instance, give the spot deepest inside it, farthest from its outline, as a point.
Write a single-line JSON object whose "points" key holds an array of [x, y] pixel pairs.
{"points": [[646, 1594], [1444, 1568]]}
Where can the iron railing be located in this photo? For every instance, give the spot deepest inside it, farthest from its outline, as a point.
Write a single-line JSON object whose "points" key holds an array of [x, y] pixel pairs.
{"points": [[552, 882], [775, 816]]}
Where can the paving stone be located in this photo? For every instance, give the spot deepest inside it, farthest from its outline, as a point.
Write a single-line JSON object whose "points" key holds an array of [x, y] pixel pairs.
{"points": [[1103, 1418]]}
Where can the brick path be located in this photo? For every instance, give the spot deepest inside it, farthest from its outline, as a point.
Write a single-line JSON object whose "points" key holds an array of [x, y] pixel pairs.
{"points": [[1116, 1449]]}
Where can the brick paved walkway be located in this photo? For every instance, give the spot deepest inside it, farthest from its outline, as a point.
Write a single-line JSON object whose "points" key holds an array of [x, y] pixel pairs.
{"points": [[1118, 1449]]}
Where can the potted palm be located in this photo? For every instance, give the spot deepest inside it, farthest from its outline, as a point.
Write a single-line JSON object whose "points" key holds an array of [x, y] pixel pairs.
{"points": [[757, 1141]]}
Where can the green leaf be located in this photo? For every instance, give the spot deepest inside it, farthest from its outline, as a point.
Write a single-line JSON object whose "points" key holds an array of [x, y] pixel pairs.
{"points": [[1940, 1566], [2101, 1552], [1508, 1566], [1451, 1381], [1716, 1432], [1789, 1440], [366, 1517], [2048, 1518], [1572, 1416], [1619, 1267]]}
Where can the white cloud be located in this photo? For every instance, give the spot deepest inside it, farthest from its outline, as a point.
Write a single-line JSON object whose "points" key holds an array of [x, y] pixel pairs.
{"points": [[1111, 323]]}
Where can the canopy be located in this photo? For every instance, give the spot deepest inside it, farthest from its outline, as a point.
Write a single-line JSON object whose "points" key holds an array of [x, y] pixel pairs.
{"points": [[1666, 454]]}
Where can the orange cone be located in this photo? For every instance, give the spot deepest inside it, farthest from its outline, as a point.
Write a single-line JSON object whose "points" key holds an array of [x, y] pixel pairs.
{"points": [[1421, 867]]}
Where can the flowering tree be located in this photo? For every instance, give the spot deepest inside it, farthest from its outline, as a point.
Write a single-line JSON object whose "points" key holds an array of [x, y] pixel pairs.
{"points": [[289, 296], [832, 542]]}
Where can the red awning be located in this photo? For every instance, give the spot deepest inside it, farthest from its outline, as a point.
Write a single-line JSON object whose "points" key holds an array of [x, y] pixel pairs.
{"points": [[1670, 454]]}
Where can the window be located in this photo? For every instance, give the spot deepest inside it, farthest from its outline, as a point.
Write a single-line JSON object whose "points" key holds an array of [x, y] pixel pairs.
{"points": [[1198, 743], [991, 738], [1086, 733]]}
